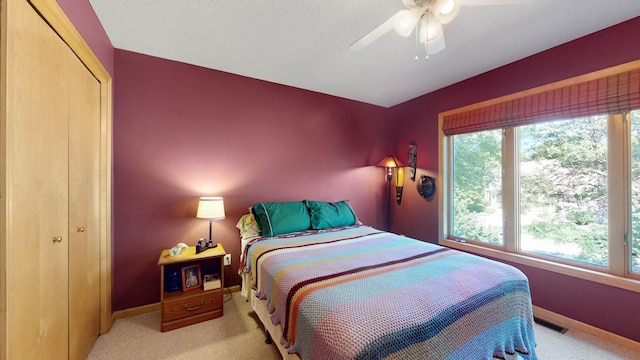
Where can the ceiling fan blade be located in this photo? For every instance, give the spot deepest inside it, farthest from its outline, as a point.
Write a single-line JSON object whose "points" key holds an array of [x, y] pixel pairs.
{"points": [[374, 34], [493, 2]]}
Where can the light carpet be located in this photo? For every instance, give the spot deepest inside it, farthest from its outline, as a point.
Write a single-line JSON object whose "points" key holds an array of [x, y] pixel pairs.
{"points": [[238, 335]]}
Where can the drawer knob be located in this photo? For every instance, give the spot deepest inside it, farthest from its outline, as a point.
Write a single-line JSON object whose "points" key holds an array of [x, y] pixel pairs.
{"points": [[192, 308], [57, 239]]}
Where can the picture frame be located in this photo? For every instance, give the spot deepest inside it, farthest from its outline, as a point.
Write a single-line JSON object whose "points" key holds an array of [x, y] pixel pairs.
{"points": [[191, 277]]}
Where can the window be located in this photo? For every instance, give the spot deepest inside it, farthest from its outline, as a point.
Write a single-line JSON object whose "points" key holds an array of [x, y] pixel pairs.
{"points": [[635, 191], [551, 173], [561, 199], [563, 190], [477, 186]]}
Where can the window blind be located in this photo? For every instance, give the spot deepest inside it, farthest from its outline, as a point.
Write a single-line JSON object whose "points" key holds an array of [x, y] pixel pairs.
{"points": [[608, 94]]}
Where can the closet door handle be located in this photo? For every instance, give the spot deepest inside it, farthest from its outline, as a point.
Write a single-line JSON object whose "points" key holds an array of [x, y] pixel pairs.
{"points": [[80, 229], [57, 239]]}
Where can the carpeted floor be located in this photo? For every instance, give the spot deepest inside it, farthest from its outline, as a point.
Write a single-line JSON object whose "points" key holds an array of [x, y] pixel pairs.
{"points": [[238, 336]]}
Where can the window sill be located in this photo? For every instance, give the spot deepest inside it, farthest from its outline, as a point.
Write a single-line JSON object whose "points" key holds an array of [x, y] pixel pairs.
{"points": [[585, 274]]}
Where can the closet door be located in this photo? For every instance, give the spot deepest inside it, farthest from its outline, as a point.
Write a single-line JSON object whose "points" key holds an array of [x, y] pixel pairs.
{"points": [[37, 197], [84, 177]]}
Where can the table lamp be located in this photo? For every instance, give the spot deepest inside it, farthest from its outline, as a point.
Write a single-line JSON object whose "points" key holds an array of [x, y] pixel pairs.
{"points": [[210, 208]]}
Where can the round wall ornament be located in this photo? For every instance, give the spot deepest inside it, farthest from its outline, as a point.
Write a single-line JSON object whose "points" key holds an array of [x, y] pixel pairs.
{"points": [[426, 186]]}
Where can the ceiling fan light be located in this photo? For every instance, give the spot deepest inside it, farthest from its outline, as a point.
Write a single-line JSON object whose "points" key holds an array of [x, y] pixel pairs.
{"points": [[430, 29], [446, 10], [435, 46], [405, 21], [447, 7]]}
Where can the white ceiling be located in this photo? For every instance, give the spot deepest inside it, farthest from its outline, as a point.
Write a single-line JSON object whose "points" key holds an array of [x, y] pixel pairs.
{"points": [[305, 44]]}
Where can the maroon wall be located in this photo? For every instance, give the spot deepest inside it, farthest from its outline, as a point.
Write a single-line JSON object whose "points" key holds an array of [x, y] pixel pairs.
{"points": [[182, 131], [602, 306]]}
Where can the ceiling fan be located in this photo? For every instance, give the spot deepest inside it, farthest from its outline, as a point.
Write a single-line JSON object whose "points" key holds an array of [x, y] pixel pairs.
{"points": [[430, 15]]}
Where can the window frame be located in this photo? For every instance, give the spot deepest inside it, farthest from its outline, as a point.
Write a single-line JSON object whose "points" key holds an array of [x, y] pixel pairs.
{"points": [[620, 255]]}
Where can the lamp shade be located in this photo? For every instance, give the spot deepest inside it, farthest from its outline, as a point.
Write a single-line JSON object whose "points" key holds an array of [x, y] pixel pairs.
{"points": [[211, 207], [390, 161]]}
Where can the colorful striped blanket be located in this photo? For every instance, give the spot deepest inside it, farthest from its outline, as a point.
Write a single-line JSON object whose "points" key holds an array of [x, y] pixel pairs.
{"points": [[360, 293]]}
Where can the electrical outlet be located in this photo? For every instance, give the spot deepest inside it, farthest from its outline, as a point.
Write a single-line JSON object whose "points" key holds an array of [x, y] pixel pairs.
{"points": [[227, 259]]}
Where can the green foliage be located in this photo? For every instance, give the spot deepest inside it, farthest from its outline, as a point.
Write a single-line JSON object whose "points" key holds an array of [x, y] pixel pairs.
{"points": [[468, 226], [595, 246], [478, 158], [476, 208], [563, 177], [478, 166], [557, 231], [591, 239], [581, 217], [563, 187]]}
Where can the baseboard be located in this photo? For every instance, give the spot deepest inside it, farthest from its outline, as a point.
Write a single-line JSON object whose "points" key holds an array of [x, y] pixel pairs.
{"points": [[150, 307], [135, 311], [586, 328]]}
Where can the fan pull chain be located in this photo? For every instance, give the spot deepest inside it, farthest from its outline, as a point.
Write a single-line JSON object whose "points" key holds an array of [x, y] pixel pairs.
{"points": [[426, 43], [416, 58], [426, 50]]}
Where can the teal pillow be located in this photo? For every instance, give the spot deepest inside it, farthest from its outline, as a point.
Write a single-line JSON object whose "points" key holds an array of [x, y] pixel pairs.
{"points": [[329, 215], [275, 218]]}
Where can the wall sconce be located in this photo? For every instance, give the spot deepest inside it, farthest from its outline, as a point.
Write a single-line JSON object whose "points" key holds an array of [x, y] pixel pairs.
{"points": [[209, 208], [399, 184], [390, 162]]}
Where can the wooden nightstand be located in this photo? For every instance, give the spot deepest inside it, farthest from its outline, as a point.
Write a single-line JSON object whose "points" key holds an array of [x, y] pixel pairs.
{"points": [[182, 308]]}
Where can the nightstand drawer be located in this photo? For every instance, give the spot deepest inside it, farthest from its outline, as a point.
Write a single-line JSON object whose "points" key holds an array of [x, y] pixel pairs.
{"points": [[192, 305]]}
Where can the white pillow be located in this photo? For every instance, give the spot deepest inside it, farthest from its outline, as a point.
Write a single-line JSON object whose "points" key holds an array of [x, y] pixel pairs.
{"points": [[248, 230], [248, 227]]}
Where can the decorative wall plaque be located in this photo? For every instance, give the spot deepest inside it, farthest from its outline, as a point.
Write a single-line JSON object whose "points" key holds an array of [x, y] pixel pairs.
{"points": [[413, 159], [426, 186]]}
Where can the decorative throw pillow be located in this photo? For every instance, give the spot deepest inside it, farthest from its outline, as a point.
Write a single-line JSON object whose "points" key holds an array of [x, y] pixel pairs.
{"points": [[328, 215], [275, 218]]}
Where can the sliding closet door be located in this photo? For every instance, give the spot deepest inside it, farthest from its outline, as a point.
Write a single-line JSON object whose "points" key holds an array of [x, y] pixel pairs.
{"points": [[37, 199], [84, 177]]}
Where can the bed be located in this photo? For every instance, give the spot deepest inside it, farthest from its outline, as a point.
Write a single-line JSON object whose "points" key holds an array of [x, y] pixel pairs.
{"points": [[342, 290]]}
